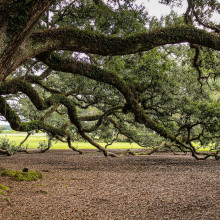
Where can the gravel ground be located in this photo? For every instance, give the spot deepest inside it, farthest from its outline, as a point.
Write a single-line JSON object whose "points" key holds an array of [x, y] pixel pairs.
{"points": [[91, 186]]}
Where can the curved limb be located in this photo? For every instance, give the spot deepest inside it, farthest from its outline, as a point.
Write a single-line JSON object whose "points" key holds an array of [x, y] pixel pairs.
{"points": [[113, 79], [71, 147], [29, 133]]}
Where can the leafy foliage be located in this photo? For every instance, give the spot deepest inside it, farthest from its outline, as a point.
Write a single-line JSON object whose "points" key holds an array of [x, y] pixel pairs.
{"points": [[118, 74], [11, 147]]}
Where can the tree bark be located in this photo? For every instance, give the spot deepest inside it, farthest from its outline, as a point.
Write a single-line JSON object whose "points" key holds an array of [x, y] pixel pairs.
{"points": [[15, 29]]}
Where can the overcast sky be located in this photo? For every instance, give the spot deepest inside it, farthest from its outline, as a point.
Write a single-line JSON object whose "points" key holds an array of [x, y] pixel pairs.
{"points": [[156, 9]]}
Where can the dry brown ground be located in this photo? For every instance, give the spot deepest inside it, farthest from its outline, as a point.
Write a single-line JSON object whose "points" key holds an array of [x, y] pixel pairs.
{"points": [[90, 186]]}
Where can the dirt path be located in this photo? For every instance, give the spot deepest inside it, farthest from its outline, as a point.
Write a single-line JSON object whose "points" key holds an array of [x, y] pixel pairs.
{"points": [[93, 187]]}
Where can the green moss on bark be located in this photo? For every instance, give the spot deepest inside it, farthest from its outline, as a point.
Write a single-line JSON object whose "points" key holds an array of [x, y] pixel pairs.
{"points": [[5, 188]]}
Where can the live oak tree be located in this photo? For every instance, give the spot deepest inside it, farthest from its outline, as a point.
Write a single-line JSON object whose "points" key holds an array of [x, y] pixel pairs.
{"points": [[84, 68]]}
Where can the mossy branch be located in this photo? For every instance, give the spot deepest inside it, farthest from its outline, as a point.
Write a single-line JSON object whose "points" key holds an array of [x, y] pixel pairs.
{"points": [[92, 42], [70, 65]]}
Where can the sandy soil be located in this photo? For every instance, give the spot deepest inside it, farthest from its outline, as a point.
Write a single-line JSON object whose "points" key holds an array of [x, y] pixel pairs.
{"points": [[90, 186]]}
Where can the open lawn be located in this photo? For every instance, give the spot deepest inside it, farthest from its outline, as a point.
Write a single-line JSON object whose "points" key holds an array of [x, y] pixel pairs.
{"points": [[34, 140]]}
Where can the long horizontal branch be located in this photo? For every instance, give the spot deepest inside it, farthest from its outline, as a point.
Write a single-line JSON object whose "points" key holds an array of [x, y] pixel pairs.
{"points": [[92, 42]]}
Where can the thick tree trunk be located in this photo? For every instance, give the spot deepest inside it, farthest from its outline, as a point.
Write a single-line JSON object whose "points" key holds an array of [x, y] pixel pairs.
{"points": [[17, 22]]}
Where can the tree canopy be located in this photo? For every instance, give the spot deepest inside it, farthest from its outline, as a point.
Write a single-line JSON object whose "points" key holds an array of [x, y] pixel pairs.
{"points": [[94, 68]]}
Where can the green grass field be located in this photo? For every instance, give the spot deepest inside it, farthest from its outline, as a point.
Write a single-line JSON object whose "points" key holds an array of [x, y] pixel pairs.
{"points": [[34, 140]]}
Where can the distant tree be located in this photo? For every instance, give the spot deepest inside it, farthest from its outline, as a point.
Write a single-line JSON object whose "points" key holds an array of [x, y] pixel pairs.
{"points": [[7, 127], [97, 68]]}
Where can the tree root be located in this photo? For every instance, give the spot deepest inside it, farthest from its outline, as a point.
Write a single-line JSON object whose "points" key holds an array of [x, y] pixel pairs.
{"points": [[5, 152]]}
